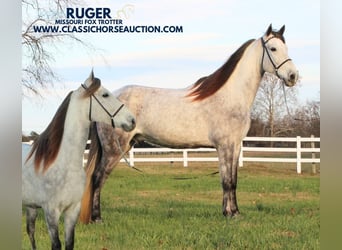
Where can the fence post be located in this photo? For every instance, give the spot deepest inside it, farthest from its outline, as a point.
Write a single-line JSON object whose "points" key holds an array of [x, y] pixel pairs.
{"points": [[131, 157], [241, 155], [299, 155], [185, 158], [313, 156]]}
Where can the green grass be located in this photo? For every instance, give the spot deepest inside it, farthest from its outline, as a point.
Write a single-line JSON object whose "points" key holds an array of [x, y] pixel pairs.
{"points": [[180, 208]]}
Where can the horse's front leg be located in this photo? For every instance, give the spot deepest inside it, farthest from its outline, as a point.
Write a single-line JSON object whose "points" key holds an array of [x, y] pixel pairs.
{"points": [[228, 158], [70, 219], [52, 218], [31, 216]]}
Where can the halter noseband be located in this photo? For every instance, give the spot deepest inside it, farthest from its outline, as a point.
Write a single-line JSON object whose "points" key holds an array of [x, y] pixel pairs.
{"points": [[109, 114], [269, 57]]}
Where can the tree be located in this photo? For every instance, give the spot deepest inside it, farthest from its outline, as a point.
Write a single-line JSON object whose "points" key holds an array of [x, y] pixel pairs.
{"points": [[314, 117], [36, 47], [273, 101], [257, 128], [307, 119]]}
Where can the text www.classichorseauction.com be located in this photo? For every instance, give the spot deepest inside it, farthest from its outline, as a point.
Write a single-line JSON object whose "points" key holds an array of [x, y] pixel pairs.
{"points": [[100, 20]]}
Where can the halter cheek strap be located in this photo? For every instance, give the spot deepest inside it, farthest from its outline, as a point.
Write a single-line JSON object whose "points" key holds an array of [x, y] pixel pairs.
{"points": [[270, 58], [103, 107]]}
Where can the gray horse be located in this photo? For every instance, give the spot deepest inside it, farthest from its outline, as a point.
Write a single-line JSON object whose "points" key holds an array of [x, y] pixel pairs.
{"points": [[213, 112], [53, 177]]}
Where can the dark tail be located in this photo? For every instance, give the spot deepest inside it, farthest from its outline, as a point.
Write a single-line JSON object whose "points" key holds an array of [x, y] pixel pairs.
{"points": [[94, 156]]}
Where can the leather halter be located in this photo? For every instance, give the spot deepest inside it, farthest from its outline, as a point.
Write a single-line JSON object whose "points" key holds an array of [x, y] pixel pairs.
{"points": [[269, 57], [109, 114]]}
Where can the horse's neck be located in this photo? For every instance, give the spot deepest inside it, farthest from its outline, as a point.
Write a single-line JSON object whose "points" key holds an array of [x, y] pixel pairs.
{"points": [[245, 80], [76, 129]]}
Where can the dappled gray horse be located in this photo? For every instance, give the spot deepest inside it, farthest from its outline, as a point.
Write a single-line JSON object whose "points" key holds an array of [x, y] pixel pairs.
{"points": [[213, 112], [53, 177]]}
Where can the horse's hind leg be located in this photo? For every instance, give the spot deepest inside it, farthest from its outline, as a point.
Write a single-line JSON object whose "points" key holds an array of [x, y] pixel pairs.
{"points": [[31, 216], [52, 217], [70, 220], [228, 157], [100, 175], [111, 155]]}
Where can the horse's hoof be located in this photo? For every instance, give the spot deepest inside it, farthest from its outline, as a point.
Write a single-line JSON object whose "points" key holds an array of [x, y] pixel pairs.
{"points": [[230, 213], [236, 214], [97, 221]]}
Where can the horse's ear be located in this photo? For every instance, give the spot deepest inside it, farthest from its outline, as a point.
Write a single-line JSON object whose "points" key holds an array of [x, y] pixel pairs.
{"points": [[90, 79], [282, 29], [269, 30]]}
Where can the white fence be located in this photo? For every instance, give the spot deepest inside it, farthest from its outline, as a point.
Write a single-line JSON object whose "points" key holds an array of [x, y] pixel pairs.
{"points": [[296, 152]]}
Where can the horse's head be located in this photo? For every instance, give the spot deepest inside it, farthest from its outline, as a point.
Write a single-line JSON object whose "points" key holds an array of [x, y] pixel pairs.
{"points": [[275, 57], [105, 107]]}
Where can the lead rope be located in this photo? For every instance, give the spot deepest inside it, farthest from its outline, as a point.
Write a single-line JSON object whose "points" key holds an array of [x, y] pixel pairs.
{"points": [[287, 107], [124, 157], [276, 68]]}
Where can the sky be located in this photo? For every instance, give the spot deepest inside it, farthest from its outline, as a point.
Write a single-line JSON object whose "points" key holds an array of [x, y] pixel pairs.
{"points": [[212, 31]]}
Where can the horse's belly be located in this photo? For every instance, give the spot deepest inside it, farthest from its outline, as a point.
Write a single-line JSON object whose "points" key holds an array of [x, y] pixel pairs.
{"points": [[175, 130], [177, 139]]}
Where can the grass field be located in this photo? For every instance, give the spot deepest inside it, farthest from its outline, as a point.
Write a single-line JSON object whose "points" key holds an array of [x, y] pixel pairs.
{"points": [[172, 207]]}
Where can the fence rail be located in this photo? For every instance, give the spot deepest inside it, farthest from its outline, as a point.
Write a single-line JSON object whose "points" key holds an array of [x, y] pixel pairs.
{"points": [[301, 146]]}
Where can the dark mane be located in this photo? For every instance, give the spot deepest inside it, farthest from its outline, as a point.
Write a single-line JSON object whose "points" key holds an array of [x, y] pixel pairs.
{"points": [[208, 85], [47, 145]]}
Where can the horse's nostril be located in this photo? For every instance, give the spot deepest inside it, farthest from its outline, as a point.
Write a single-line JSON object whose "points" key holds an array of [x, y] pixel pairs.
{"points": [[133, 121], [292, 77]]}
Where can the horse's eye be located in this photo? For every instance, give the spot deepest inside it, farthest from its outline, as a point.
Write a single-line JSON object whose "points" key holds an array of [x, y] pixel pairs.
{"points": [[273, 49], [105, 95]]}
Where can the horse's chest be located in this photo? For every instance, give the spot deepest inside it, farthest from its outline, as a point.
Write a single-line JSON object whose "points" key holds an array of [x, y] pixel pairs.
{"points": [[67, 188]]}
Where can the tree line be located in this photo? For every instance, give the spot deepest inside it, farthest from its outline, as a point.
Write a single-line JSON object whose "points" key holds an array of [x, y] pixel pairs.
{"points": [[277, 112]]}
